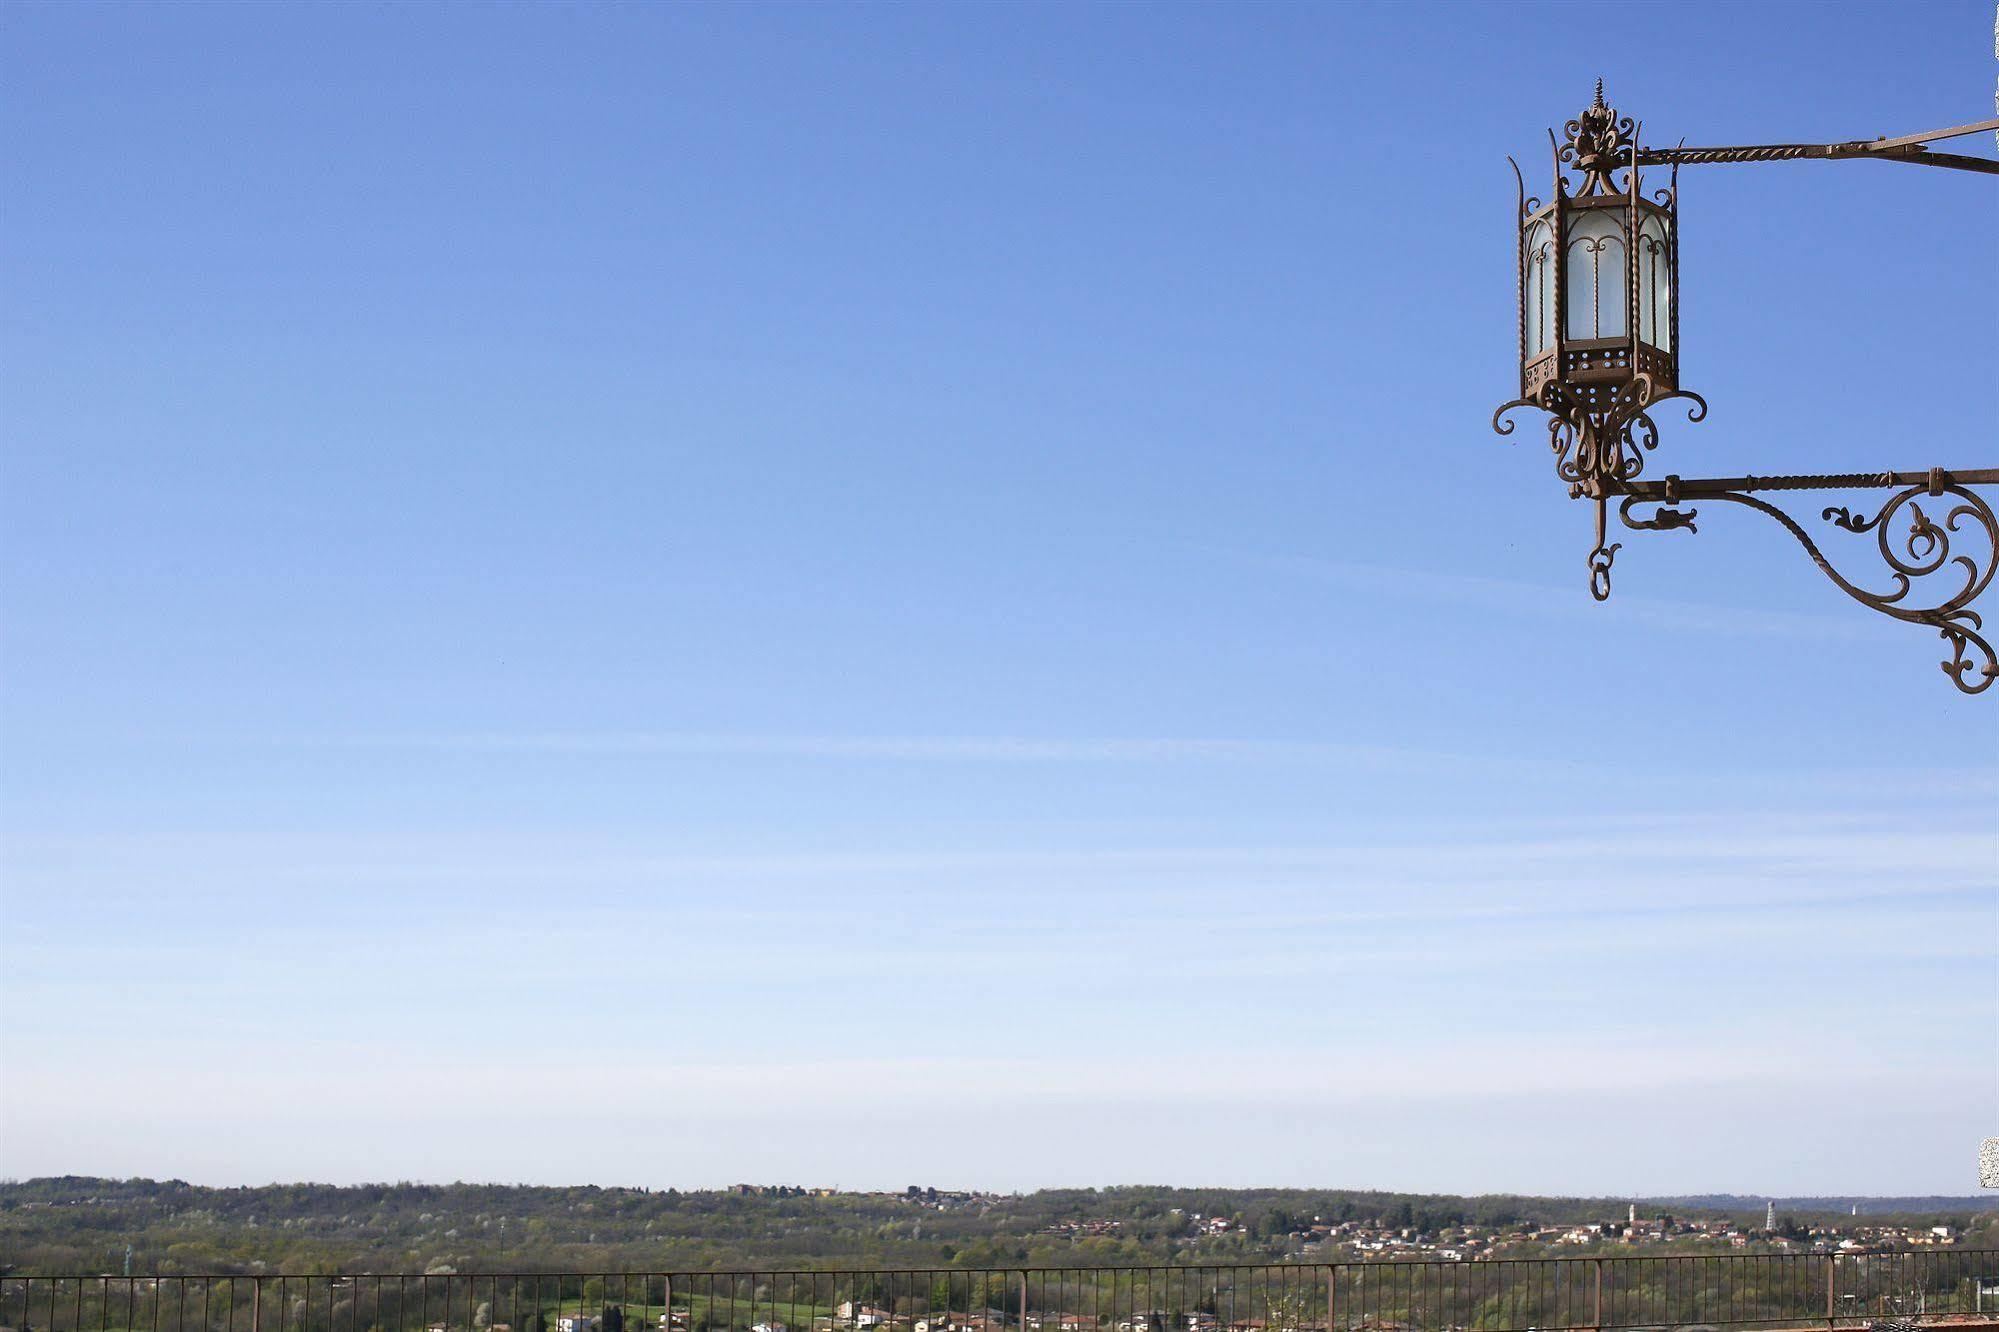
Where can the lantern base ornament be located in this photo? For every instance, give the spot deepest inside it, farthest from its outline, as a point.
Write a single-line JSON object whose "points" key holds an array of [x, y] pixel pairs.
{"points": [[1600, 442], [1598, 269]]}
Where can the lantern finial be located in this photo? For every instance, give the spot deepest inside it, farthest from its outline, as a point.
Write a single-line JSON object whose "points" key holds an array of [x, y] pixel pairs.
{"points": [[1598, 141]]}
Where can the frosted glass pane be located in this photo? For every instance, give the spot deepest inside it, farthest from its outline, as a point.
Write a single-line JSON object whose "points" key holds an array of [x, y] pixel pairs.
{"points": [[1596, 261], [1655, 311], [1610, 293], [1548, 296], [1581, 295], [1648, 286], [1540, 289]]}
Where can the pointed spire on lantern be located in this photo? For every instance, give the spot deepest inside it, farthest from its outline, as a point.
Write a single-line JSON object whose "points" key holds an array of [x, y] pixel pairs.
{"points": [[1599, 90]]}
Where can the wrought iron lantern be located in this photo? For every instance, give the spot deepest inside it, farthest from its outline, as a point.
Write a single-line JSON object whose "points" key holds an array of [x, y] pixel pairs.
{"points": [[1597, 271], [1599, 325]]}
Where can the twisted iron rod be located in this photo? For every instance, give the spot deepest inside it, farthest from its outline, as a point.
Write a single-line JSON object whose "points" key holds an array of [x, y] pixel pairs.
{"points": [[1709, 487]]}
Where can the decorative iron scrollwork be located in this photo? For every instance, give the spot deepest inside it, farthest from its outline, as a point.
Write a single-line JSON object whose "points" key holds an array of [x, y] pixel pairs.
{"points": [[1917, 555], [1663, 519], [1600, 439]]}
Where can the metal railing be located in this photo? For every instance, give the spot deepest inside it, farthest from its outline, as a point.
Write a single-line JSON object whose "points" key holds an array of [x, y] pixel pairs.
{"points": [[1567, 1294]]}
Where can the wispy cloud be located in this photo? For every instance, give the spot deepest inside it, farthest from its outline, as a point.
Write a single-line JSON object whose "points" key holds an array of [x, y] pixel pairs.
{"points": [[1877, 786], [1690, 856], [1014, 750], [948, 748]]}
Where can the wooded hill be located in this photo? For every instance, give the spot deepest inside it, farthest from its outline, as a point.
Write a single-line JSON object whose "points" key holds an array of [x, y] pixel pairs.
{"points": [[75, 1224]]}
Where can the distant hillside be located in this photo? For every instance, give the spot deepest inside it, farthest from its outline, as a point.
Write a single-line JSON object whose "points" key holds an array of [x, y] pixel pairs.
{"points": [[82, 1224]]}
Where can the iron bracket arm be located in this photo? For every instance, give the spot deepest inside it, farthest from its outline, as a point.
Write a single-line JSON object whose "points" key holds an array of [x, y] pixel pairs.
{"points": [[1911, 148], [1912, 552]]}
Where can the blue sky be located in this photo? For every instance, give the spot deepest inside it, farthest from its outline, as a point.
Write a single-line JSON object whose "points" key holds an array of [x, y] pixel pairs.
{"points": [[849, 594]]}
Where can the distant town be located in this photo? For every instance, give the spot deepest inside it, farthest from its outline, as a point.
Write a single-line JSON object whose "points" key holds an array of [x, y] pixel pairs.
{"points": [[1324, 1240]]}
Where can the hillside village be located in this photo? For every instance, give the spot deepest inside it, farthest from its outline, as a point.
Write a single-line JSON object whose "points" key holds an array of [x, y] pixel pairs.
{"points": [[1324, 1240], [1356, 1239]]}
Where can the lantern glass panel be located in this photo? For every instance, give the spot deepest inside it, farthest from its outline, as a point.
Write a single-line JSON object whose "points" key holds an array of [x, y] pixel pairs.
{"points": [[1655, 287], [1539, 257], [1595, 275]]}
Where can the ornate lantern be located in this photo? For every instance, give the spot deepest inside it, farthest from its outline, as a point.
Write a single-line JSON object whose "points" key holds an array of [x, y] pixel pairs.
{"points": [[1599, 323], [1598, 268]]}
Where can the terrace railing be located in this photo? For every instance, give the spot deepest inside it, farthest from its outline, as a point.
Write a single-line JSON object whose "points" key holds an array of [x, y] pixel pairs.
{"points": [[1568, 1294]]}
